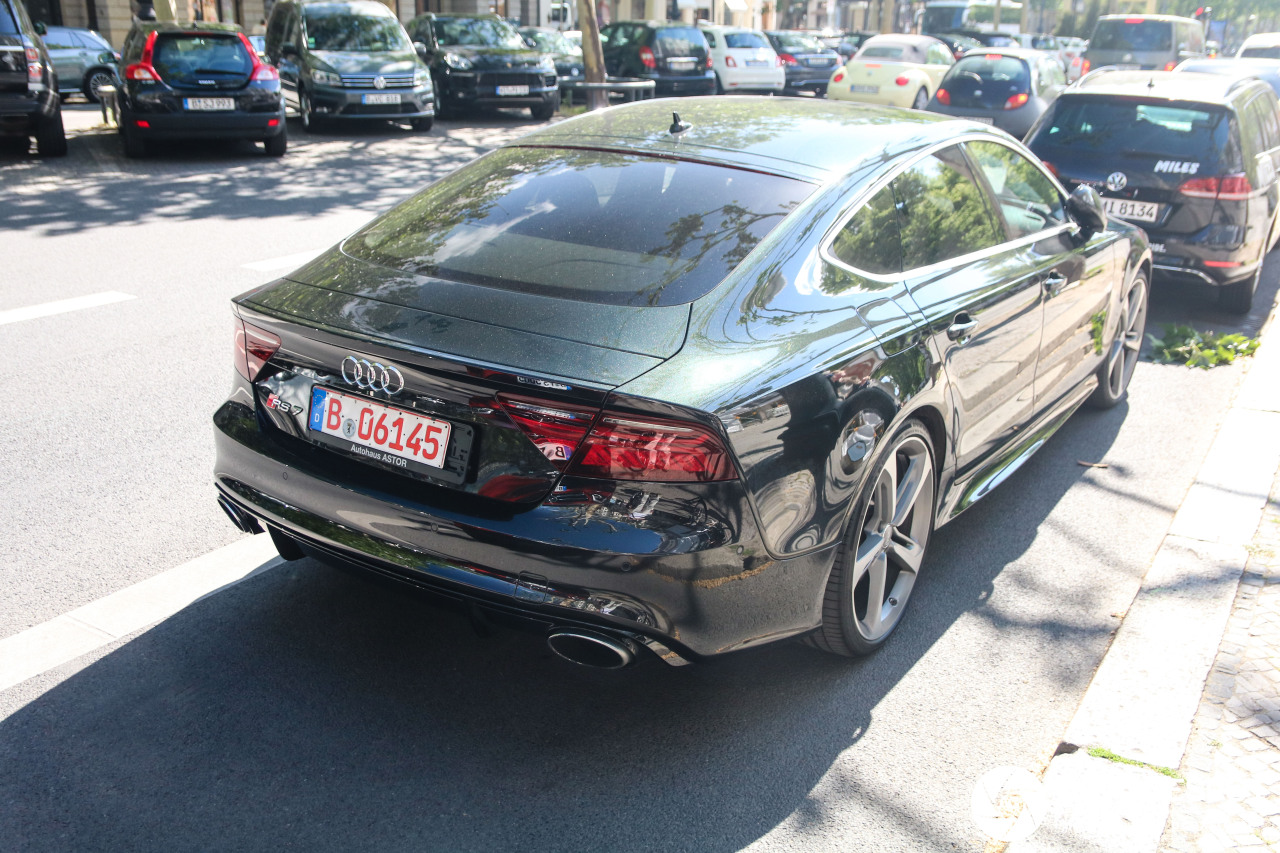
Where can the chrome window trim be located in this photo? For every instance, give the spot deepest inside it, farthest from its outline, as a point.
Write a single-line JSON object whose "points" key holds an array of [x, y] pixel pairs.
{"points": [[827, 255]]}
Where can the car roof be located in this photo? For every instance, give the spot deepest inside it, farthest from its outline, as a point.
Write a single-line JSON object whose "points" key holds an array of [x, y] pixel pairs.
{"points": [[1262, 40], [368, 6], [903, 38], [810, 139], [1029, 54], [1146, 18], [190, 27], [1170, 85]]}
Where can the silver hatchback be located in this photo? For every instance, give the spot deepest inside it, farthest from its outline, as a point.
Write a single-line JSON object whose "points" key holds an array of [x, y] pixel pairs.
{"points": [[83, 60]]}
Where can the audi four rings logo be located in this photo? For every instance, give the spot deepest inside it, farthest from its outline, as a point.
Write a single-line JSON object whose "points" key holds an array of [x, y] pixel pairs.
{"points": [[372, 376]]}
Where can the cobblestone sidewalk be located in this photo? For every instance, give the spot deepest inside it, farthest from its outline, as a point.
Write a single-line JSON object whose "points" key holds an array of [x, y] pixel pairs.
{"points": [[1231, 799]]}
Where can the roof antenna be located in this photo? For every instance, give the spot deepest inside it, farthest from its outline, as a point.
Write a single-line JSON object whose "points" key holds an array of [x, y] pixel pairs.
{"points": [[1151, 84], [677, 126]]}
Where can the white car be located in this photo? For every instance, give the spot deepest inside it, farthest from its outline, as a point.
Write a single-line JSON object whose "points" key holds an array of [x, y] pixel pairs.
{"points": [[899, 70], [1260, 46], [743, 60]]}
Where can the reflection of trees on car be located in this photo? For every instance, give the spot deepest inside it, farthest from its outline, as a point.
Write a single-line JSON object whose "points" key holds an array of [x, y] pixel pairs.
{"points": [[362, 33]]}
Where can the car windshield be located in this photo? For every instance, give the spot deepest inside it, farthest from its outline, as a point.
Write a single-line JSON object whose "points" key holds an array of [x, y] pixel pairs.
{"points": [[1137, 35], [180, 57], [681, 41], [604, 227], [344, 31], [477, 32], [884, 51], [990, 69], [1133, 127], [744, 40], [796, 42], [551, 42]]}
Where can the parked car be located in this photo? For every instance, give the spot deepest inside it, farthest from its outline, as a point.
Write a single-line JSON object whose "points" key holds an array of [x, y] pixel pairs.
{"points": [[743, 60], [566, 55], [901, 70], [846, 44], [960, 45], [29, 102], [1192, 158], [1266, 70], [734, 419], [1143, 41], [1009, 87], [348, 60], [808, 63], [197, 81], [83, 60], [673, 55], [1260, 46], [482, 61]]}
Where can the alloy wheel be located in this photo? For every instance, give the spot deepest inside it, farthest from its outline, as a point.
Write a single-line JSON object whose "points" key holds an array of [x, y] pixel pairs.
{"points": [[1124, 352], [97, 80]]}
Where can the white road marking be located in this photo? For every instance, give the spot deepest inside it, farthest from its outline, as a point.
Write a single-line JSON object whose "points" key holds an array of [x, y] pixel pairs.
{"points": [[282, 263], [62, 306], [65, 638]]}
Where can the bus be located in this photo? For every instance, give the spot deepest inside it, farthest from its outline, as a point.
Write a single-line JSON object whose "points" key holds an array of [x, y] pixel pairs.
{"points": [[946, 16]]}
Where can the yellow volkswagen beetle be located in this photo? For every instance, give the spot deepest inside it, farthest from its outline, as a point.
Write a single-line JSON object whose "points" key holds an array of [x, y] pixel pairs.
{"points": [[899, 70]]}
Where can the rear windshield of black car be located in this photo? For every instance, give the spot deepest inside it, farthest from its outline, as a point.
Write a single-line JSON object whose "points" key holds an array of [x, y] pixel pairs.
{"points": [[603, 227], [1135, 36], [797, 43], [330, 30], [1004, 71], [181, 57], [680, 41], [1199, 133]]}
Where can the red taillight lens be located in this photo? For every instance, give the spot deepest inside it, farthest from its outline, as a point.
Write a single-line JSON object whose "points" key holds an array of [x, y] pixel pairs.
{"points": [[993, 56], [556, 429], [901, 81], [1052, 168], [34, 66], [138, 71], [730, 62], [708, 61], [788, 59], [1084, 67], [1169, 66], [1227, 188], [944, 97], [1134, 20], [1016, 101], [624, 447], [254, 347], [839, 76], [646, 58], [265, 72]]}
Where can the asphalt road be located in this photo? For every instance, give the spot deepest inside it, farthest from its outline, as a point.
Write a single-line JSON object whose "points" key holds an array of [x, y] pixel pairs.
{"points": [[307, 709]]}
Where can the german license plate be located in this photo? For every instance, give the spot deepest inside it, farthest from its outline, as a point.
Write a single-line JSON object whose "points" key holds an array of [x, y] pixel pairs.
{"points": [[1134, 211], [758, 63], [381, 98], [680, 64], [819, 62], [209, 104], [866, 90], [382, 433], [982, 119], [512, 91]]}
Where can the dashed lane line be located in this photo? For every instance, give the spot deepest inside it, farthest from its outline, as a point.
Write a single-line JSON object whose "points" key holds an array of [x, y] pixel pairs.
{"points": [[65, 638], [63, 306]]}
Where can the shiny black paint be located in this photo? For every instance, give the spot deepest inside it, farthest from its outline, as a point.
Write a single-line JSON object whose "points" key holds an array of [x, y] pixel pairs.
{"points": [[785, 359]]}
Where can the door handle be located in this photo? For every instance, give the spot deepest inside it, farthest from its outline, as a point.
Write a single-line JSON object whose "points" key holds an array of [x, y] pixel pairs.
{"points": [[1054, 283], [961, 328]]}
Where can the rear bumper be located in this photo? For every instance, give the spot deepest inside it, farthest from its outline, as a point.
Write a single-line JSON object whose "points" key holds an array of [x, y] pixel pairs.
{"points": [[694, 580], [754, 80], [207, 126], [20, 113], [1195, 262], [669, 86], [809, 78]]}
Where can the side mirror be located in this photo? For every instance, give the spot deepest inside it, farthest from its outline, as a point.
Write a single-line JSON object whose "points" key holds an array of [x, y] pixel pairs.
{"points": [[421, 50], [528, 41], [41, 29], [1084, 205]]}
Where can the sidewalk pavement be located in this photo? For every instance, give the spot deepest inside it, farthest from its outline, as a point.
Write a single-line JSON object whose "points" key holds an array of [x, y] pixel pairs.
{"points": [[1176, 744]]}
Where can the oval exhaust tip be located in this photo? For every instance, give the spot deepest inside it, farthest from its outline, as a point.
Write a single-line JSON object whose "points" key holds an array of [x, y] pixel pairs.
{"points": [[589, 648]]}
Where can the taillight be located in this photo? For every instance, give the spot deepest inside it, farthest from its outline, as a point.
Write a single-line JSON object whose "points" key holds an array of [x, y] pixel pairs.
{"points": [[1016, 101], [143, 69], [901, 81], [1052, 168], [730, 62], [254, 347], [992, 57], [839, 76], [1084, 66], [261, 71], [1134, 20], [708, 62], [1226, 188], [627, 447], [35, 68], [646, 58], [556, 429], [788, 59], [1169, 66], [943, 96]]}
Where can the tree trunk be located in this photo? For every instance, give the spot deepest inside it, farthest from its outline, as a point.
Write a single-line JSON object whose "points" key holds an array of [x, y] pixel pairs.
{"points": [[592, 54]]}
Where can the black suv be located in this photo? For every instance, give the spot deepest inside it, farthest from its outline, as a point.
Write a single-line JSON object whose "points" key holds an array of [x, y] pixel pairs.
{"points": [[674, 56], [29, 103], [1191, 158], [197, 81], [481, 60]]}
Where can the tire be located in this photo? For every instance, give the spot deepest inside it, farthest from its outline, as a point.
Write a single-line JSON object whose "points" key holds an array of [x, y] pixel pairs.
{"points": [[1122, 357], [51, 138], [719, 85], [546, 109], [878, 562], [276, 145], [15, 145], [921, 101], [1237, 298], [309, 121], [441, 110], [820, 92], [422, 125], [135, 147], [95, 80]]}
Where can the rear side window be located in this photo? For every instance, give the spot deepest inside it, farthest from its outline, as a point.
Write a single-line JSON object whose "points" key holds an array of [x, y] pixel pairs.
{"points": [[680, 41], [870, 241], [1136, 35], [8, 25], [750, 40], [180, 57], [1112, 126], [618, 229], [1248, 52], [1028, 200], [944, 213]]}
